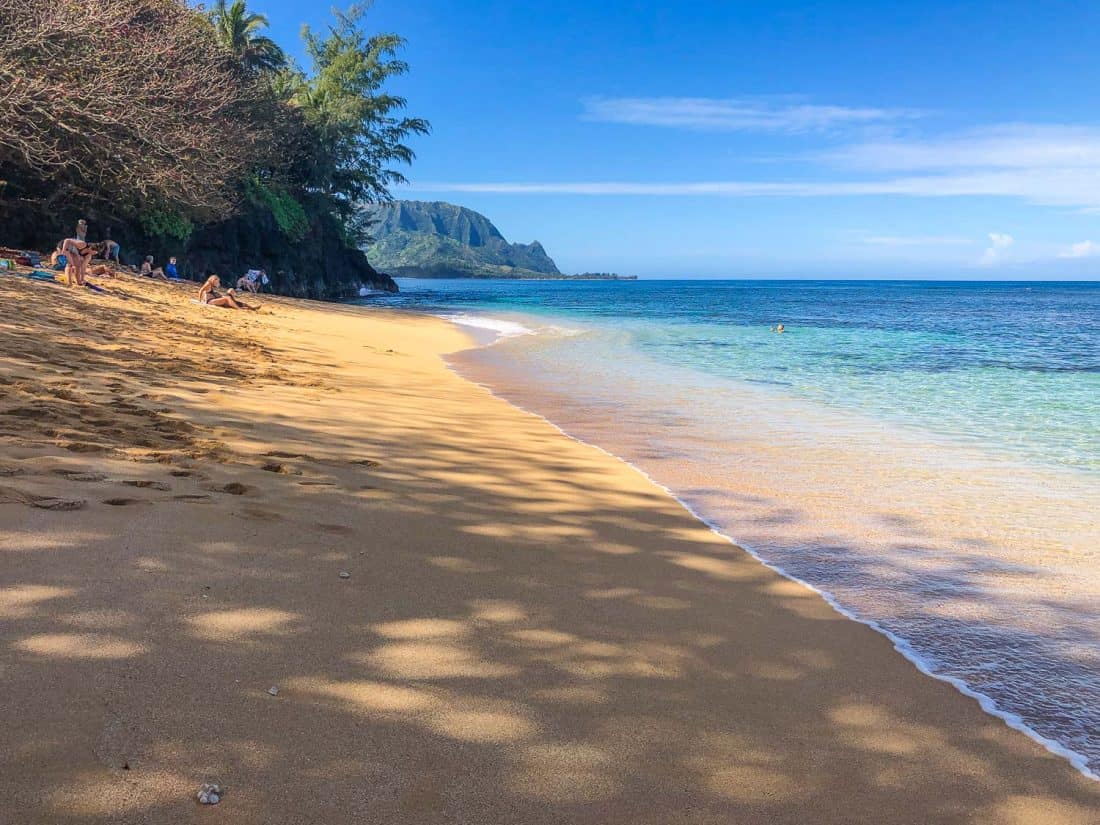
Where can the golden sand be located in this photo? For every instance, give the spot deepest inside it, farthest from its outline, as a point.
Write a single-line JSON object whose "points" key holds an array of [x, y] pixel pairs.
{"points": [[529, 632]]}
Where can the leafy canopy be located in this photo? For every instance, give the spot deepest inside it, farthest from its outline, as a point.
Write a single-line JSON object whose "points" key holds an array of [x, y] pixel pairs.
{"points": [[237, 29], [358, 129]]}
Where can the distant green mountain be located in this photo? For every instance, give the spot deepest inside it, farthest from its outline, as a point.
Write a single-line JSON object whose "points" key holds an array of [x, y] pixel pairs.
{"points": [[417, 239]]}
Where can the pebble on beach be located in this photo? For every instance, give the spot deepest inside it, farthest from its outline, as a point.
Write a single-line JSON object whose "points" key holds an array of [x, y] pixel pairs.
{"points": [[210, 794], [345, 574], [273, 690]]}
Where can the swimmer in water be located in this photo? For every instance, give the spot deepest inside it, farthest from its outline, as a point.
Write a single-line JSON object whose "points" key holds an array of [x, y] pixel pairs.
{"points": [[778, 328]]}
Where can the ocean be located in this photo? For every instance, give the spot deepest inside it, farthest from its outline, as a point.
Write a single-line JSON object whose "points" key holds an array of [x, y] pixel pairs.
{"points": [[925, 454]]}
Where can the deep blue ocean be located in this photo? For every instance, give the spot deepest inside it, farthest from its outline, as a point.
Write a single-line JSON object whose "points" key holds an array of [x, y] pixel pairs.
{"points": [[926, 454]]}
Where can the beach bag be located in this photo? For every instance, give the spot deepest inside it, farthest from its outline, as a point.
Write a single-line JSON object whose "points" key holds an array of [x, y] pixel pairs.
{"points": [[62, 262]]}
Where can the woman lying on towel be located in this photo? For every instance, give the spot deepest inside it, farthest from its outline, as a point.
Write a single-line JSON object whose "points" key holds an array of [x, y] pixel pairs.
{"points": [[208, 294]]}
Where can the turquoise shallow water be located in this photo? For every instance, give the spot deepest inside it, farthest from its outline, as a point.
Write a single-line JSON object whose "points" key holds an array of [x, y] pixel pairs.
{"points": [[928, 455], [1011, 365]]}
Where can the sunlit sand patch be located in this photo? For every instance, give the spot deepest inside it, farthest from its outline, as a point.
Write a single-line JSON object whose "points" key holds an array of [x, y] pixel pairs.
{"points": [[602, 660], [566, 773], [422, 629], [455, 716], [106, 795], [432, 660], [497, 612], [459, 565], [612, 548], [19, 601], [1031, 810], [542, 638], [368, 697], [725, 569], [573, 695], [482, 721], [612, 593], [242, 625], [79, 646]]}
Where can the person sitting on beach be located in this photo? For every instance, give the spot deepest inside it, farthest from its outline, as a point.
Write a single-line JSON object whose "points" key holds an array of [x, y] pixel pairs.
{"points": [[251, 280], [171, 270], [148, 271], [209, 295]]}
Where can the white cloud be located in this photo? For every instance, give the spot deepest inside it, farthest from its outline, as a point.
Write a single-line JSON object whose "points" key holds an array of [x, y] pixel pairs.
{"points": [[1083, 249], [1079, 188], [734, 114], [998, 243], [1046, 165]]}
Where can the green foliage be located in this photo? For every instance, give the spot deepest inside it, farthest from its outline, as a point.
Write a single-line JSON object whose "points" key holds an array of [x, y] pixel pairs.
{"points": [[288, 213], [166, 223], [237, 29], [435, 240], [357, 128]]}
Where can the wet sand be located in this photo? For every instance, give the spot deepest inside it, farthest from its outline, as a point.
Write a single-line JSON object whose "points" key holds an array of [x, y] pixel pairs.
{"points": [[529, 632]]}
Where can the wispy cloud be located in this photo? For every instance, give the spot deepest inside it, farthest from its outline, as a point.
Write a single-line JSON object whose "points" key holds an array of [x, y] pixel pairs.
{"points": [[1084, 249], [998, 243], [735, 114], [1046, 165], [1005, 147], [1053, 187]]}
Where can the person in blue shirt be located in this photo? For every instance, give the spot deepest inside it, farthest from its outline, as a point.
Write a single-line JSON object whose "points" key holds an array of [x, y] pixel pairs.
{"points": [[171, 270]]}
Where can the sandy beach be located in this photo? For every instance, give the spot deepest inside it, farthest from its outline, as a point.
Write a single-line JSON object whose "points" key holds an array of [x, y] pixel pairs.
{"points": [[465, 616]]}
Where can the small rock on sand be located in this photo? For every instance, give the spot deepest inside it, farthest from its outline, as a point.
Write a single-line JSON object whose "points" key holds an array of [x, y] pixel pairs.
{"points": [[344, 574], [210, 794], [273, 690]]}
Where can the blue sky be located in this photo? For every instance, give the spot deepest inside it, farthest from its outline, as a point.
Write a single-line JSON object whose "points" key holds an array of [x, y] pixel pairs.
{"points": [[775, 139]]}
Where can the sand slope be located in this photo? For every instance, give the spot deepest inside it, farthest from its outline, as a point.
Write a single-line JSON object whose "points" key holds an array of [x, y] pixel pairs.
{"points": [[531, 632]]}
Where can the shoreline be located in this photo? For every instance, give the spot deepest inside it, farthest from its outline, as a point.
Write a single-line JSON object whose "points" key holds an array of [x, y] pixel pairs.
{"points": [[530, 630], [901, 645]]}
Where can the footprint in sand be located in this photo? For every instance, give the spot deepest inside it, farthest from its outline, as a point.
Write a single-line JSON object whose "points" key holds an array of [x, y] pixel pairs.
{"points": [[182, 473], [191, 497], [234, 488], [316, 483], [281, 454], [84, 447], [281, 469], [148, 485], [122, 502], [80, 475], [9, 495], [369, 463], [7, 471]]}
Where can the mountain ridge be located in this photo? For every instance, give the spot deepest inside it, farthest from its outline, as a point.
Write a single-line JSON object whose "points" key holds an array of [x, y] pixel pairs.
{"points": [[436, 239]]}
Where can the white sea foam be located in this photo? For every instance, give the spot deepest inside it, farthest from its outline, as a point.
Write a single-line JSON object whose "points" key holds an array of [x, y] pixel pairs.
{"points": [[501, 326]]}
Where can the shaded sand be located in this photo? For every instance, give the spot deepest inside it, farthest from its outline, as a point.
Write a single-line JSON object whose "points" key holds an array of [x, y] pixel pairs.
{"points": [[530, 631]]}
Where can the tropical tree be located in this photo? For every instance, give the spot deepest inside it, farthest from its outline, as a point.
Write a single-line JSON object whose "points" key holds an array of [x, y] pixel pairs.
{"points": [[359, 130], [239, 31]]}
